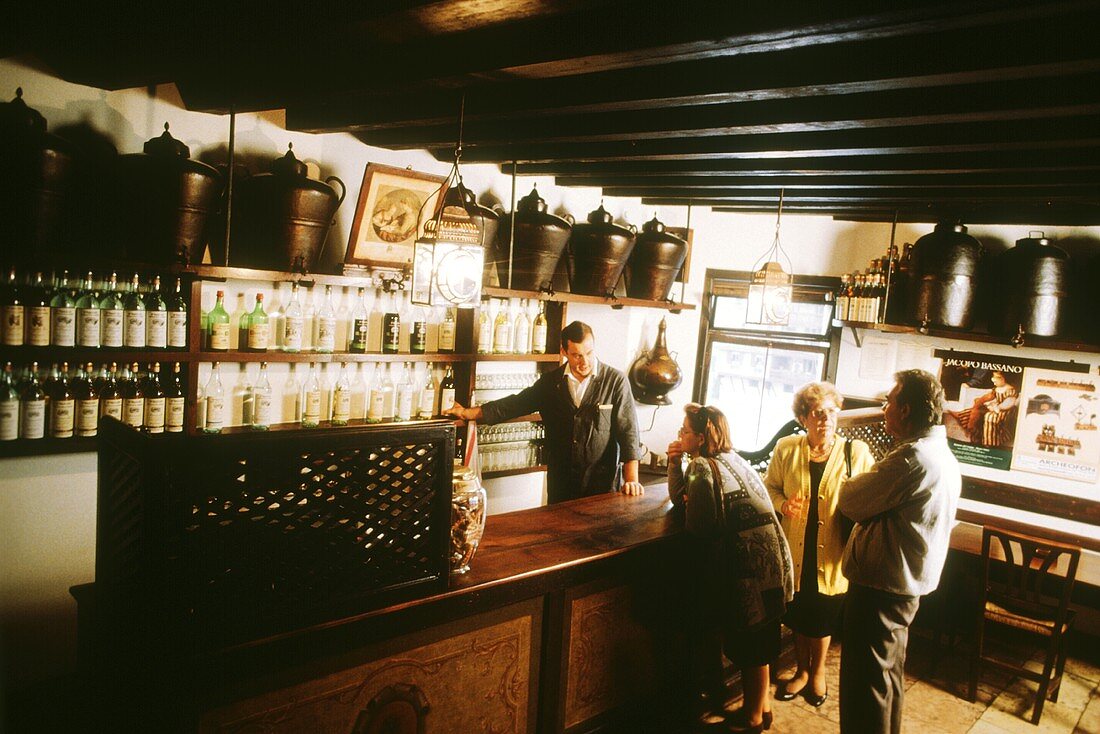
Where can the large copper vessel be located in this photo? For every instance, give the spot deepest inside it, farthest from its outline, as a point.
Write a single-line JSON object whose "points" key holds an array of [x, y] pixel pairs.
{"points": [[599, 249], [282, 218], [164, 201], [655, 374], [540, 242], [944, 282], [657, 258], [36, 171], [1034, 277]]}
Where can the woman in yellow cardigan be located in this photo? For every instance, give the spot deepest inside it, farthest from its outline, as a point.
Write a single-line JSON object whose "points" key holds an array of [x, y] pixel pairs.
{"points": [[804, 478]]}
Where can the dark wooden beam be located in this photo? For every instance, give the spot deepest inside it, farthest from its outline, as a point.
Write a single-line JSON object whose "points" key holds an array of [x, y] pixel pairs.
{"points": [[1053, 176], [794, 194]]}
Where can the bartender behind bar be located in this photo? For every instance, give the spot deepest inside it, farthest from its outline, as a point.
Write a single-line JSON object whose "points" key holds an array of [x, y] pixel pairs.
{"points": [[588, 413]]}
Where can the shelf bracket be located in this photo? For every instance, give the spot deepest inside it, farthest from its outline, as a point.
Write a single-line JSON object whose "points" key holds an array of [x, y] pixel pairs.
{"points": [[856, 335]]}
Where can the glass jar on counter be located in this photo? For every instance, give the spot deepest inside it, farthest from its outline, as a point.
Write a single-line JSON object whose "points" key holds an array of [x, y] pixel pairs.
{"points": [[467, 517]]}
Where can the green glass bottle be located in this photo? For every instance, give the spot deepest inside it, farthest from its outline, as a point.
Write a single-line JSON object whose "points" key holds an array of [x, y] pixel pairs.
{"points": [[217, 324], [259, 330], [156, 318], [133, 336], [112, 314], [63, 314]]}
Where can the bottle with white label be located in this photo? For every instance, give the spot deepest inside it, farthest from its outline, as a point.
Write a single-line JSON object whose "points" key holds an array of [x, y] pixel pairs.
{"points": [[389, 396], [156, 318], [177, 319], [359, 394], [134, 325], [341, 398], [174, 401], [263, 405], [418, 331], [61, 407], [112, 314], [426, 408], [259, 331], [13, 314], [311, 399], [447, 390], [63, 314], [376, 399], [217, 324], [214, 395], [154, 402], [484, 328], [521, 332], [292, 397], [391, 326], [360, 321], [447, 329], [293, 322], [87, 403], [110, 395], [133, 398], [326, 324], [88, 315], [33, 407], [38, 314], [9, 406], [502, 330], [406, 391], [538, 331]]}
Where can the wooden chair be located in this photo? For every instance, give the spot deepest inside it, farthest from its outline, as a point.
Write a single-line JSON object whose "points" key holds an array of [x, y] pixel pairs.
{"points": [[1023, 592]]}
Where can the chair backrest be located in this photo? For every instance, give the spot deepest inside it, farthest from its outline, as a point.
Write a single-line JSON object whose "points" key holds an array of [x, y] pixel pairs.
{"points": [[1027, 582], [760, 458]]}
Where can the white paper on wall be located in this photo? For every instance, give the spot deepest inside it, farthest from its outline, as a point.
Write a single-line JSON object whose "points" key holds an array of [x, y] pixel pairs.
{"points": [[877, 358]]}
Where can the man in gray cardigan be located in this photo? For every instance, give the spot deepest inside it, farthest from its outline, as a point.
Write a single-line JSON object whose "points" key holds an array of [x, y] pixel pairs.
{"points": [[904, 509], [589, 416]]}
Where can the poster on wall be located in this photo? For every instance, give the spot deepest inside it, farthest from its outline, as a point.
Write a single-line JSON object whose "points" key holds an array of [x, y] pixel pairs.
{"points": [[1056, 429], [985, 396]]}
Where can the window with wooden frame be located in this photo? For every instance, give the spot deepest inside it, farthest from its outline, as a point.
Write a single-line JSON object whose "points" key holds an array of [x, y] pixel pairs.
{"points": [[752, 371]]}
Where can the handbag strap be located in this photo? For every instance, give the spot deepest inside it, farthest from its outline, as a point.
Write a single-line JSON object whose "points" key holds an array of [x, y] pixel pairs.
{"points": [[716, 487], [848, 456]]}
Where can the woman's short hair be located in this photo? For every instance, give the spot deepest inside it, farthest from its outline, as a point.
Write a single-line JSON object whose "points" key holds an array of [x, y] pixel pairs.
{"points": [[813, 394], [922, 392], [712, 425]]}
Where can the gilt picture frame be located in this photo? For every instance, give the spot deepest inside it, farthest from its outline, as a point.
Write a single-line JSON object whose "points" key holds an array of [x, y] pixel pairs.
{"points": [[393, 205]]}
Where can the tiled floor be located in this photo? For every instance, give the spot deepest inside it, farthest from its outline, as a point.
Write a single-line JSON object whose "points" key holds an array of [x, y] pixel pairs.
{"points": [[935, 700]]}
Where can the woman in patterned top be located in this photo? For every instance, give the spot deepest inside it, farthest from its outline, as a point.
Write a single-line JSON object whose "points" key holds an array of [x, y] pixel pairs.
{"points": [[745, 556]]}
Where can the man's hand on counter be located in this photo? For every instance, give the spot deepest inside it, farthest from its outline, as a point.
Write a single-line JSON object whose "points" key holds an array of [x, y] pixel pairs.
{"points": [[465, 414], [631, 487]]}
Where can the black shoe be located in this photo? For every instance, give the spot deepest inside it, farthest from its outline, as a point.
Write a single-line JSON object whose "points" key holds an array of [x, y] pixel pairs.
{"points": [[783, 693], [737, 722], [813, 699]]}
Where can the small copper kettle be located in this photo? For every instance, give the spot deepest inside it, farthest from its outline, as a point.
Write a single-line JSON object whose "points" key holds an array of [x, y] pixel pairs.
{"points": [[655, 374]]}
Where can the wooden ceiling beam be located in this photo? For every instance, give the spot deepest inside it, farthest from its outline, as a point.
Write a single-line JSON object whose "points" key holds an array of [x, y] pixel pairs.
{"points": [[1091, 190], [1054, 176]]}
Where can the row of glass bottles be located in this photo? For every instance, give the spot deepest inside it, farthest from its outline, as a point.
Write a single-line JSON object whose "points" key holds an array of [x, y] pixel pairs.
{"points": [[510, 333], [510, 432], [64, 404], [361, 392], [862, 296], [510, 445], [96, 313], [329, 323]]}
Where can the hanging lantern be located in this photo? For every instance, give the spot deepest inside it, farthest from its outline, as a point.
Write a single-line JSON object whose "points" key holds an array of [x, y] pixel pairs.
{"points": [[771, 289], [448, 258]]}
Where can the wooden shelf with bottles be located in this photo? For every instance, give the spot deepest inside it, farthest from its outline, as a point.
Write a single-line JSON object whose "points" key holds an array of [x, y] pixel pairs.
{"points": [[329, 357], [1028, 340], [558, 297]]}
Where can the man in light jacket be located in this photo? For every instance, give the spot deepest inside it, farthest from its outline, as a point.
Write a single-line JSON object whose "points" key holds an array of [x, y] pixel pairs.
{"points": [[904, 509]]}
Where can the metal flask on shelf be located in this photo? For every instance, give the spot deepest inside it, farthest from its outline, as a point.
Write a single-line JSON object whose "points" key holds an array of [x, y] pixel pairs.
{"points": [[655, 373], [282, 218], [36, 171], [657, 258], [164, 201], [599, 249], [943, 277], [540, 241], [1035, 274]]}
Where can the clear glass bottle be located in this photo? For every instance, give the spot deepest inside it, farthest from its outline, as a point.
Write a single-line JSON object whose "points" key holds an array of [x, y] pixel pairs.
{"points": [[259, 330], [447, 390], [326, 324], [359, 394], [405, 391], [341, 398], [538, 331], [9, 406], [177, 318], [389, 395], [63, 314], [426, 408], [32, 408], [214, 392], [447, 329], [293, 322], [502, 330], [376, 396], [217, 324], [134, 323], [343, 316], [263, 405], [88, 315], [133, 398], [154, 402], [156, 318], [521, 332], [292, 397], [242, 396], [13, 316], [360, 324], [110, 395], [174, 400], [311, 399], [484, 328], [112, 314], [87, 403]]}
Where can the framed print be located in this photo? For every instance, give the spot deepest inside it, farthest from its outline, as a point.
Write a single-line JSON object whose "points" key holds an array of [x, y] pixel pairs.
{"points": [[388, 216]]}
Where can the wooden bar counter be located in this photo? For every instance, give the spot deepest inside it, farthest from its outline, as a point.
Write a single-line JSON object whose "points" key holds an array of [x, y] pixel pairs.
{"points": [[566, 620]]}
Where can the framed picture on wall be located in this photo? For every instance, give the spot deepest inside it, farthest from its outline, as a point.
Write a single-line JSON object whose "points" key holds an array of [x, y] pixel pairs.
{"points": [[393, 205], [685, 234]]}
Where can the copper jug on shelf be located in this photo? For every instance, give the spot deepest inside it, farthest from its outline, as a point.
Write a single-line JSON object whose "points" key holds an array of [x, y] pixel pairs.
{"points": [[36, 170], [944, 277], [599, 250], [164, 201], [655, 374], [540, 241], [282, 218], [657, 258]]}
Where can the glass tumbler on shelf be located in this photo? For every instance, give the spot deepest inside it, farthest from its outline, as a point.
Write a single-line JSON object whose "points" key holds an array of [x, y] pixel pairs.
{"points": [[467, 517]]}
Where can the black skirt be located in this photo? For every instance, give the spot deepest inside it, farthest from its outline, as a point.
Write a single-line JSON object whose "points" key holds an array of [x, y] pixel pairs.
{"points": [[750, 648]]}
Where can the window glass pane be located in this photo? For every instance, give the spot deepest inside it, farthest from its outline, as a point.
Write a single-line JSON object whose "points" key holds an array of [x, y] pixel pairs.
{"points": [[754, 386], [806, 318]]}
